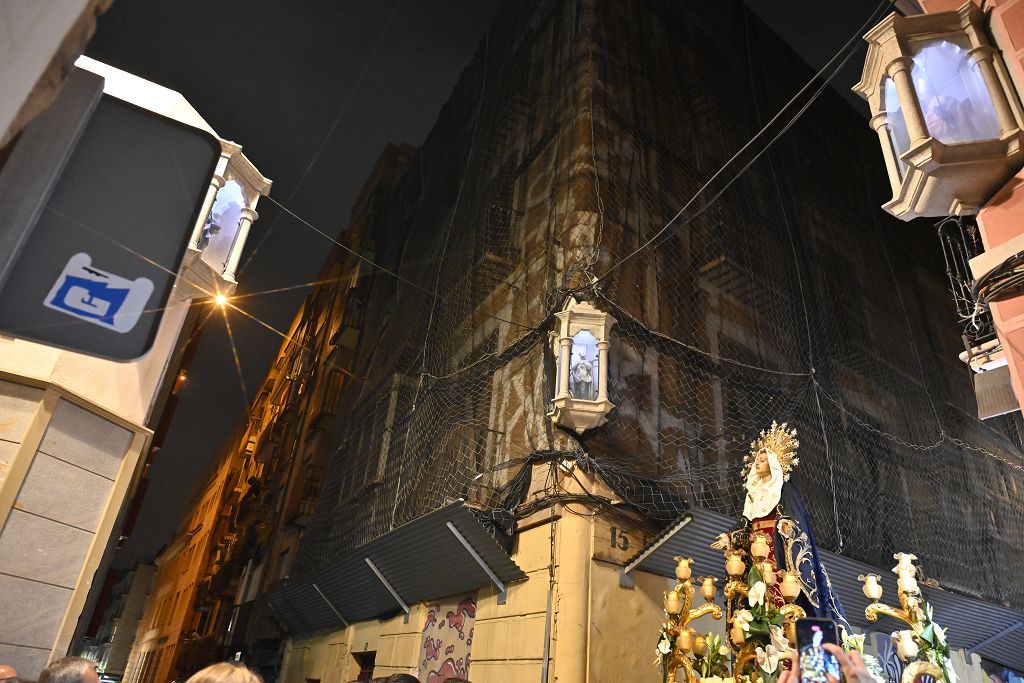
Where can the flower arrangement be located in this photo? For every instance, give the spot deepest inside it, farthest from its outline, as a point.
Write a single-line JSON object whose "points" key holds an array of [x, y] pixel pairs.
{"points": [[759, 626]]}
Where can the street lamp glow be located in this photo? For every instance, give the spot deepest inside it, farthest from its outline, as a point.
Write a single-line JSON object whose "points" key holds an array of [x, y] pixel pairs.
{"points": [[220, 300]]}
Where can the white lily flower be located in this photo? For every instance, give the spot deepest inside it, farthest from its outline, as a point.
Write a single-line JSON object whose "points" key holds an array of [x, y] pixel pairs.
{"points": [[756, 595], [664, 647], [940, 633], [768, 659], [743, 618], [779, 639]]}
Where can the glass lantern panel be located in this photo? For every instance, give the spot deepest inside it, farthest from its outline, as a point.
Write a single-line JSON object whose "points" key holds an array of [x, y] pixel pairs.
{"points": [[583, 366], [895, 125], [221, 225], [956, 104]]}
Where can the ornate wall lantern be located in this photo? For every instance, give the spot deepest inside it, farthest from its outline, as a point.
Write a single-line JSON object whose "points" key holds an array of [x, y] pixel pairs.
{"points": [[580, 346], [945, 112], [229, 210]]}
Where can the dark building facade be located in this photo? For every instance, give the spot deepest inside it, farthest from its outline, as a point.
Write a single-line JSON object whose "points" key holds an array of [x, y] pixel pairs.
{"points": [[582, 129], [577, 133]]}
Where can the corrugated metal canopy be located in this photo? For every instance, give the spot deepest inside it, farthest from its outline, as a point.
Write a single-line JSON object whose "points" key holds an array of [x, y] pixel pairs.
{"points": [[993, 632], [421, 560]]}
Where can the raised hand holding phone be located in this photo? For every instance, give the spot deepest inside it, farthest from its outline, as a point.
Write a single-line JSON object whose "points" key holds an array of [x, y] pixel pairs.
{"points": [[817, 664]]}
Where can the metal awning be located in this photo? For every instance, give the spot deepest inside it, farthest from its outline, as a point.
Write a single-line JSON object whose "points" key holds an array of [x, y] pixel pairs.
{"points": [[993, 632], [444, 552]]}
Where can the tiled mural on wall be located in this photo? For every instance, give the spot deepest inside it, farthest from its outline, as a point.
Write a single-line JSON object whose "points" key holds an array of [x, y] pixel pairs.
{"points": [[447, 640]]}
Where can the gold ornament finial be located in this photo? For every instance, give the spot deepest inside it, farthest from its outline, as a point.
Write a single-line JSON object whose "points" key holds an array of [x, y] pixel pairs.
{"points": [[779, 440]]}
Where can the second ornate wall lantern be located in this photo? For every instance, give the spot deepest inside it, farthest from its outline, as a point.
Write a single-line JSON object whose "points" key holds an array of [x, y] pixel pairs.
{"points": [[945, 112]]}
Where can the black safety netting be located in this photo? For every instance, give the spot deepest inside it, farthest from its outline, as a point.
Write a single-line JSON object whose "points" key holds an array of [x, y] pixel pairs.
{"points": [[576, 134]]}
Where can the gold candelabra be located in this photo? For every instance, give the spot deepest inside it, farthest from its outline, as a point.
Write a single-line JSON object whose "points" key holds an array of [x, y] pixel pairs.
{"points": [[910, 612], [680, 611]]}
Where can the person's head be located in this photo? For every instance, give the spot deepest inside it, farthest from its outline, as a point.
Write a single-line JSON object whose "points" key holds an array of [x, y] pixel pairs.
{"points": [[225, 672], [8, 674], [402, 678], [70, 670]]}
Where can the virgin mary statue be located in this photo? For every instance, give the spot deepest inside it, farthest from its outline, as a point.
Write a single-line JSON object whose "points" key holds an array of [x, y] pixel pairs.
{"points": [[773, 508]]}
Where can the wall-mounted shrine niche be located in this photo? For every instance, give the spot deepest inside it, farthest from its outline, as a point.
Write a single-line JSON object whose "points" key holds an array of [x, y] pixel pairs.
{"points": [[580, 347], [944, 108]]}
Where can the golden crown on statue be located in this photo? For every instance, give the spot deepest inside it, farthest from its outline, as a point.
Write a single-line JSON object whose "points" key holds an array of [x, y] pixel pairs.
{"points": [[779, 440]]}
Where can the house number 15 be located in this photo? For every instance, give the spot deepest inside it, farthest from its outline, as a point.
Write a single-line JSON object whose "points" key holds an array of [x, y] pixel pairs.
{"points": [[619, 539]]}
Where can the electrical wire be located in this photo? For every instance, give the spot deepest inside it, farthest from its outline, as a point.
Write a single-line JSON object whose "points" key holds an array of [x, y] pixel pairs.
{"points": [[378, 266], [844, 54]]}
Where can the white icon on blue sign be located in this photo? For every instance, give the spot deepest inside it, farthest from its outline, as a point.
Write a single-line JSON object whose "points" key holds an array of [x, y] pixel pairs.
{"points": [[99, 297]]}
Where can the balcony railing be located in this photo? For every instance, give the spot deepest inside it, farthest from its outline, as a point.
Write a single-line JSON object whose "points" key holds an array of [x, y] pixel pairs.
{"points": [[961, 242]]}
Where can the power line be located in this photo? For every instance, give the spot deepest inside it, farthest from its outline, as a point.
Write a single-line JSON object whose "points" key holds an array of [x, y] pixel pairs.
{"points": [[849, 52], [384, 269]]}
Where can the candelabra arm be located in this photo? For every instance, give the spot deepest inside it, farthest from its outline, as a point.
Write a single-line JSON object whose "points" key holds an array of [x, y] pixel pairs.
{"points": [[744, 657], [872, 612], [679, 661], [686, 591], [735, 588], [791, 612], [707, 608]]}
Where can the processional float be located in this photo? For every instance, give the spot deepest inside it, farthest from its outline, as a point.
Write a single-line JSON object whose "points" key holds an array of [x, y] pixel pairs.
{"points": [[775, 577]]}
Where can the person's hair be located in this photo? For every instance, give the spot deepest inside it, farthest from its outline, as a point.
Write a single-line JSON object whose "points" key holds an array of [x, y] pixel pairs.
{"points": [[402, 678], [67, 670], [225, 672]]}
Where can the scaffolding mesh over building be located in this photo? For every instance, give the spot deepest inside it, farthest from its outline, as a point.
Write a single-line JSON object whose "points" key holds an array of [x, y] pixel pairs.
{"points": [[576, 134]]}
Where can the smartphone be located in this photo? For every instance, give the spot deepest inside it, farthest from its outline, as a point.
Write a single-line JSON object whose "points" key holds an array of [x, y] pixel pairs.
{"points": [[817, 665]]}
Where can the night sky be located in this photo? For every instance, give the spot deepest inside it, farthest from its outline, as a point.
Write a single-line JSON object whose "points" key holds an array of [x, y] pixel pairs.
{"points": [[313, 90]]}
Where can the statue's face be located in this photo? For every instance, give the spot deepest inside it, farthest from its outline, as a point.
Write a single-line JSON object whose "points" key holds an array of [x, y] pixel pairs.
{"points": [[761, 466]]}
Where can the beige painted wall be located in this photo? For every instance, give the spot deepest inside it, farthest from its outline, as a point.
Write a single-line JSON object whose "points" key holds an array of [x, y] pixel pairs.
{"points": [[69, 467], [600, 631]]}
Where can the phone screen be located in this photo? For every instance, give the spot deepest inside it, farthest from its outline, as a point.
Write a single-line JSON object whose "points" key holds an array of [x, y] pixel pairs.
{"points": [[816, 664]]}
